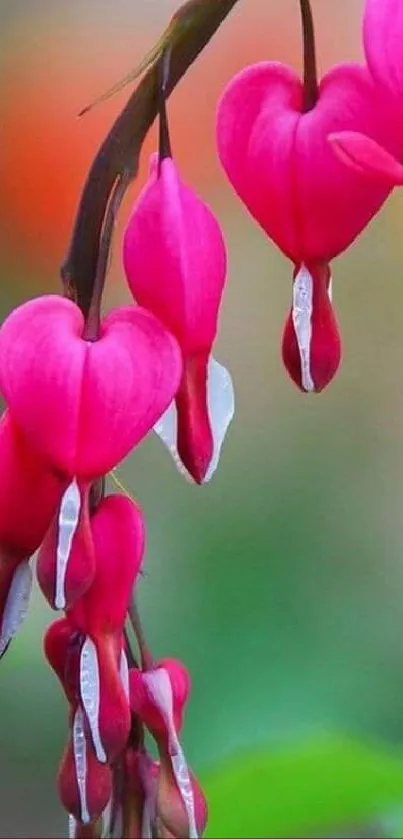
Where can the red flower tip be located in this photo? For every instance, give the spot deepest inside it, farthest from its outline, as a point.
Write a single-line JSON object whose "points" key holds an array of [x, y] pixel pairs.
{"points": [[84, 784], [311, 343]]}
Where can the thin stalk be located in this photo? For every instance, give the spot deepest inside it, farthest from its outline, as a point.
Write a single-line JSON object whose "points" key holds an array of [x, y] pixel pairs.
{"points": [[311, 86]]}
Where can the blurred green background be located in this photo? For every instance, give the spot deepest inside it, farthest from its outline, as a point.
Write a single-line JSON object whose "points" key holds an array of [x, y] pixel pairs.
{"points": [[280, 584]]}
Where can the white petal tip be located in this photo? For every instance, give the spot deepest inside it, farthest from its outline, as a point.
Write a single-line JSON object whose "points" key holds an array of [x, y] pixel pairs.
{"points": [[16, 606], [221, 409]]}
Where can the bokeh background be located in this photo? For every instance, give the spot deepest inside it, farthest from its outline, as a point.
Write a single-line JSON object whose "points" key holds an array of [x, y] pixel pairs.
{"points": [[281, 583]]}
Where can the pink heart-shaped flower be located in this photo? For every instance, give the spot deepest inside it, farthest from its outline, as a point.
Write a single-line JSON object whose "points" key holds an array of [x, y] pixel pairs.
{"points": [[282, 166], [84, 405]]}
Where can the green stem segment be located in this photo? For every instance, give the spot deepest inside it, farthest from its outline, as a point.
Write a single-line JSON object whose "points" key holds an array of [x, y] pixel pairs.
{"points": [[311, 87]]}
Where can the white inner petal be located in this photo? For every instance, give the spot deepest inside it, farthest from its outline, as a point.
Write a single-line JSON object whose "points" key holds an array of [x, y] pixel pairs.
{"points": [[72, 827], [16, 604], [167, 430], [69, 516], [158, 685], [221, 409], [90, 693], [330, 290], [302, 305], [124, 674], [80, 760]]}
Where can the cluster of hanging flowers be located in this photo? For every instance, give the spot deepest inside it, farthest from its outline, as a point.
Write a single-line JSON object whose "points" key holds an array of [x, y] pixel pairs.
{"points": [[313, 163]]}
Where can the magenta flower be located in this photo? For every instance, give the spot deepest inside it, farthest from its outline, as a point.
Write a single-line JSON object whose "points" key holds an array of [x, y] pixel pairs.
{"points": [[118, 535], [175, 262], [29, 495], [152, 797], [272, 138], [84, 784], [85, 404], [158, 696], [82, 405]]}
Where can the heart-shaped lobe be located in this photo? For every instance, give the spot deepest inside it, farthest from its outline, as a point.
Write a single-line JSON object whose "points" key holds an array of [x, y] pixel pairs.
{"points": [[84, 405], [280, 162]]}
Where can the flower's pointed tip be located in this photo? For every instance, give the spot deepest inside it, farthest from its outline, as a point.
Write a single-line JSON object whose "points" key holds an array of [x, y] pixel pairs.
{"points": [[221, 405], [221, 409], [311, 346], [366, 156]]}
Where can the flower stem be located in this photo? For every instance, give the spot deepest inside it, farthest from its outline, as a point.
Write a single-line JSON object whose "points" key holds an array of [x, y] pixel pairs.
{"points": [[311, 87], [93, 320]]}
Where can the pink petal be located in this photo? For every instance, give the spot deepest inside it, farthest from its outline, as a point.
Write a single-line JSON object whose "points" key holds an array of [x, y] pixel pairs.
{"points": [[175, 259], [383, 33], [367, 157], [85, 405], [118, 535], [280, 163]]}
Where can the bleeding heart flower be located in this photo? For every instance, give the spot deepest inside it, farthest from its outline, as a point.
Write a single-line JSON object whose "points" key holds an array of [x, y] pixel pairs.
{"points": [[158, 696], [152, 801], [118, 537], [274, 148], [175, 261], [84, 404], [85, 784]]}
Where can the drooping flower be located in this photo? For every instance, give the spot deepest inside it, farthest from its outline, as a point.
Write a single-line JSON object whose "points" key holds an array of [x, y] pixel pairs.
{"points": [[82, 406], [175, 262], [99, 616], [84, 784], [29, 495], [273, 144], [157, 697]]}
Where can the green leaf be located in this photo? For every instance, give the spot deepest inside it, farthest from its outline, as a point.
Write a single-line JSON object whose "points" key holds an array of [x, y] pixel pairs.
{"points": [[294, 791]]}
